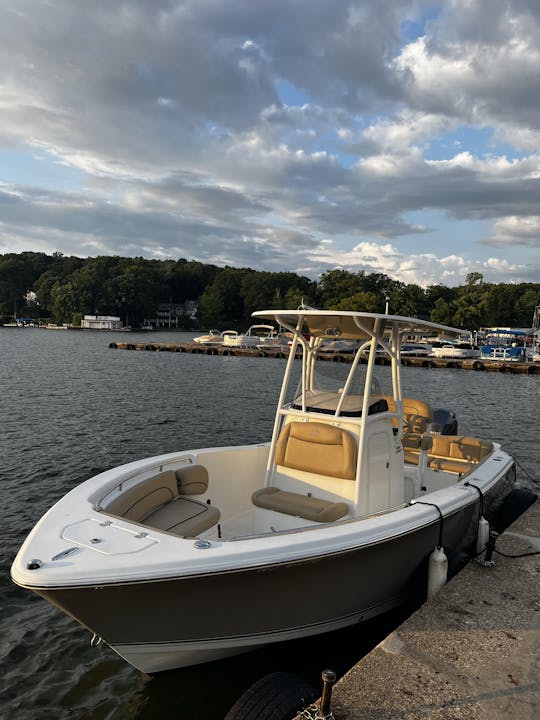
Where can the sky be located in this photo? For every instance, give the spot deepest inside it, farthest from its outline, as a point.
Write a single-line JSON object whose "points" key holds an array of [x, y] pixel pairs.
{"points": [[391, 136]]}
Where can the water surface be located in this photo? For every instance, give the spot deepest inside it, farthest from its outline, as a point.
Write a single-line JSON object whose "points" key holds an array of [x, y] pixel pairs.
{"points": [[70, 407]]}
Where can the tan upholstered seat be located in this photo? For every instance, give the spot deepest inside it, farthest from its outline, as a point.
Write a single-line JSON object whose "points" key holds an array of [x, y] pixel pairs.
{"points": [[450, 453], [317, 448], [304, 506], [192, 480], [139, 501], [184, 517], [160, 502], [456, 447], [411, 407]]}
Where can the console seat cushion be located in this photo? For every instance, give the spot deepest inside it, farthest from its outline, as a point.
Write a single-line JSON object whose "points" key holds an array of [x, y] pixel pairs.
{"points": [[304, 506], [317, 448], [184, 517]]}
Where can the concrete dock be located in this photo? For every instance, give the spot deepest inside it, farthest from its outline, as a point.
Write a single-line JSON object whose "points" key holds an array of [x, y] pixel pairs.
{"points": [[473, 651]]}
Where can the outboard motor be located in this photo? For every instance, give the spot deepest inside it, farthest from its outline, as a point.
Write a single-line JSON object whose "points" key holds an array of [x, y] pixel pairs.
{"points": [[444, 422]]}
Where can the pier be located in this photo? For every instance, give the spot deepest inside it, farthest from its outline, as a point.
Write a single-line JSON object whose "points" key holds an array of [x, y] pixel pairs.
{"points": [[477, 364], [473, 651]]}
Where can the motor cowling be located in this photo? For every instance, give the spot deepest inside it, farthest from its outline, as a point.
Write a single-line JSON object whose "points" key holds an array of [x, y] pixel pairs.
{"points": [[444, 422]]}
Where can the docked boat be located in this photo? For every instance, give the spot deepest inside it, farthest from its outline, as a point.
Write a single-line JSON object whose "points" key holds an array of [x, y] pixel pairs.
{"points": [[455, 350], [339, 347], [506, 345], [254, 335], [212, 337], [533, 351], [415, 350], [280, 342], [198, 555]]}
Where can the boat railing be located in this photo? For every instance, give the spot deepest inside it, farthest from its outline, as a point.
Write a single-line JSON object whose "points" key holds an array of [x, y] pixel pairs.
{"points": [[141, 474]]}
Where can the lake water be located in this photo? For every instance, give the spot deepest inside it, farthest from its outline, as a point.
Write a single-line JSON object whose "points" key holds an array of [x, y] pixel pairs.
{"points": [[70, 407]]}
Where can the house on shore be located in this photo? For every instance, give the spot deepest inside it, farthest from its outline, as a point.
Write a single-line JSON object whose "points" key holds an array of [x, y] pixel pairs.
{"points": [[101, 322]]}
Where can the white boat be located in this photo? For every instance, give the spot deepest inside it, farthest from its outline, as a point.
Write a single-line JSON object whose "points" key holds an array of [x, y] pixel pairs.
{"points": [[339, 347], [200, 554], [53, 326], [254, 335], [455, 350], [280, 342], [415, 349], [212, 337], [228, 338], [533, 352]]}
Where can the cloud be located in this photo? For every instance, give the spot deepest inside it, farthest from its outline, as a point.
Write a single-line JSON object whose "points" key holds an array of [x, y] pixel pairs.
{"points": [[175, 115], [478, 63], [516, 231]]}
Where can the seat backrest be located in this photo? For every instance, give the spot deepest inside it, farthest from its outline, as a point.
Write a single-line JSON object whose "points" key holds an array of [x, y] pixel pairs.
{"points": [[317, 448], [457, 447], [411, 406], [139, 501], [192, 480]]}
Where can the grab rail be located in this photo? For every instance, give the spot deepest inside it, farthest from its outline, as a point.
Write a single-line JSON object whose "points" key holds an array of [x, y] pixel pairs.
{"points": [[160, 468]]}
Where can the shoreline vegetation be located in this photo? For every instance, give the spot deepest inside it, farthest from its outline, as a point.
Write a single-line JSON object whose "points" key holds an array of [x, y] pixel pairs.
{"points": [[61, 289]]}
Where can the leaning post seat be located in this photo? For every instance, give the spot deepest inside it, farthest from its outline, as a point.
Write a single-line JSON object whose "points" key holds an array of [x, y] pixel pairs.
{"points": [[411, 407], [160, 502], [315, 448]]}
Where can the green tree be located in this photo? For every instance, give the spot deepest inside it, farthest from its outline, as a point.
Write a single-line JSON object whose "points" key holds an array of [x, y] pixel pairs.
{"points": [[17, 275], [409, 300], [221, 303], [471, 306], [361, 301], [135, 290], [442, 312], [63, 302], [334, 285]]}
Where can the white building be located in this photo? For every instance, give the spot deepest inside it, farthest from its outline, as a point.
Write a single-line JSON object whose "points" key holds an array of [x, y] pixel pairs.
{"points": [[101, 322]]}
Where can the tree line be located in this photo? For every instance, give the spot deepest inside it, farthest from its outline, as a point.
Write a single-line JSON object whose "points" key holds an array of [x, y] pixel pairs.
{"points": [[64, 288]]}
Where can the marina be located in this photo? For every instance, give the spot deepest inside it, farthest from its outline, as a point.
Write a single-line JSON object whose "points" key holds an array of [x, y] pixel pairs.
{"points": [[87, 418]]}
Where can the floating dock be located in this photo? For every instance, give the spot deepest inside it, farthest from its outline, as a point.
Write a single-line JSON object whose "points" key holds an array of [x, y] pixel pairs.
{"points": [[195, 348], [473, 651]]}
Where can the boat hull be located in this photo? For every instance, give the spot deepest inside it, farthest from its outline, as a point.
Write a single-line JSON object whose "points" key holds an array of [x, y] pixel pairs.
{"points": [[162, 624]]}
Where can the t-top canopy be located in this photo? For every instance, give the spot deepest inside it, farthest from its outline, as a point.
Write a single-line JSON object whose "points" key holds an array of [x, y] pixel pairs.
{"points": [[352, 325]]}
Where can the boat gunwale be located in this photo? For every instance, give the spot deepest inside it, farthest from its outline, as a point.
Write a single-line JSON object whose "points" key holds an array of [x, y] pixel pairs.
{"points": [[421, 508]]}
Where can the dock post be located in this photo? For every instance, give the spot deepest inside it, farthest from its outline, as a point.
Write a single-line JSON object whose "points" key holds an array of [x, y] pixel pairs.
{"points": [[329, 679]]}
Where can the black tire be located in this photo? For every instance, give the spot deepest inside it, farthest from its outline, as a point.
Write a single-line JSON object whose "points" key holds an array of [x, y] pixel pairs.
{"points": [[278, 696]]}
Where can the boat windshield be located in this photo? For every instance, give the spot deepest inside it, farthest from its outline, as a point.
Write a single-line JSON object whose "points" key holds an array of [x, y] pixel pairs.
{"points": [[339, 386]]}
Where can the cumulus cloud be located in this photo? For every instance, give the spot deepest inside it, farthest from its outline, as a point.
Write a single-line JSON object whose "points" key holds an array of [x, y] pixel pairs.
{"points": [[516, 231], [271, 134]]}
